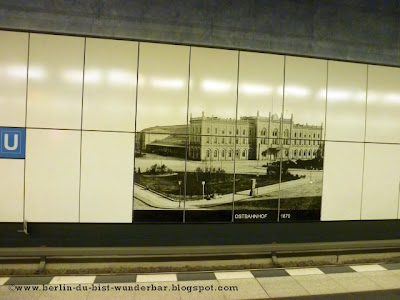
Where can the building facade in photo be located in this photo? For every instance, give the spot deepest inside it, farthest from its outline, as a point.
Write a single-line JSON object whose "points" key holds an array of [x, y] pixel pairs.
{"points": [[214, 139]]}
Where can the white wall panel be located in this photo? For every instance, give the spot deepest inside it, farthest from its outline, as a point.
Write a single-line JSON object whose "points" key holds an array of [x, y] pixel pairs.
{"points": [[11, 190], [13, 76], [381, 185], [163, 85], [107, 177], [305, 91], [383, 105], [213, 83], [260, 84], [110, 85], [343, 169], [346, 103], [52, 175], [55, 81]]}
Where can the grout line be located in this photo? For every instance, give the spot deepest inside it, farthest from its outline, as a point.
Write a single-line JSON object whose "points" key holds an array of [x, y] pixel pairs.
{"points": [[26, 119], [234, 139], [205, 135], [134, 129], [365, 135], [281, 127], [187, 136], [326, 98], [324, 136], [80, 152]]}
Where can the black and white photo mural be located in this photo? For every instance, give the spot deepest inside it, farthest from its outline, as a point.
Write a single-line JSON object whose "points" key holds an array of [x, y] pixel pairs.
{"points": [[226, 136]]}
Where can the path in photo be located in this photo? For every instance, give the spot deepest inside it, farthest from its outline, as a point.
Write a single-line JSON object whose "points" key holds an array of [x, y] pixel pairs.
{"points": [[291, 189]]}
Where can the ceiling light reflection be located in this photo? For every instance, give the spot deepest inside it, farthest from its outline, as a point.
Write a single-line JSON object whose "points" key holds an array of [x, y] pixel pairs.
{"points": [[37, 73], [296, 91], [120, 77], [215, 86], [93, 76], [322, 94], [167, 83], [255, 89], [392, 98], [338, 95], [16, 72], [72, 76]]}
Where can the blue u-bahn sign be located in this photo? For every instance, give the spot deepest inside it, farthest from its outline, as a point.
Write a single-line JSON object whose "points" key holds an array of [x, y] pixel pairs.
{"points": [[12, 142]]}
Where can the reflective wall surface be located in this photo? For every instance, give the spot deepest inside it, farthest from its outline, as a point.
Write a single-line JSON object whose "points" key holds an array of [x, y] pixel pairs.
{"points": [[121, 131], [109, 100], [13, 74], [55, 81]]}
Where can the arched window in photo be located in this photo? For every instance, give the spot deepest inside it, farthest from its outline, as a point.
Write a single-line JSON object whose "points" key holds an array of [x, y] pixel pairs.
{"points": [[244, 153], [263, 132], [215, 153], [223, 153], [237, 153], [208, 153], [286, 135], [230, 153]]}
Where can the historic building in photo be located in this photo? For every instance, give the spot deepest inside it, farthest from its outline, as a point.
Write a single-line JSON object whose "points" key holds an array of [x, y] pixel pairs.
{"points": [[163, 140], [214, 139]]}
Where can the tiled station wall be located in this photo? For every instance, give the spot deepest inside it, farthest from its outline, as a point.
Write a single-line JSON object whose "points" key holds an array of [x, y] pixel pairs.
{"points": [[76, 97]]}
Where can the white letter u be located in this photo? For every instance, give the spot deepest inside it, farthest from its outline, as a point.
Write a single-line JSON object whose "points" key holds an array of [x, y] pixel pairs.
{"points": [[7, 145]]}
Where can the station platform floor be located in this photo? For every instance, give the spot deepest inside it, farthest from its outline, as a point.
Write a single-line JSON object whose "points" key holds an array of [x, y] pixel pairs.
{"points": [[369, 281]]}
